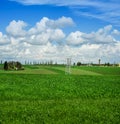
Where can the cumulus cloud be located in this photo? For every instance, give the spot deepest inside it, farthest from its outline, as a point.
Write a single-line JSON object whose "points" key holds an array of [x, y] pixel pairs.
{"points": [[39, 39], [56, 35], [102, 36], [60, 23], [75, 38], [39, 27], [16, 28], [116, 32], [4, 39], [46, 23], [48, 30], [47, 41], [46, 36]]}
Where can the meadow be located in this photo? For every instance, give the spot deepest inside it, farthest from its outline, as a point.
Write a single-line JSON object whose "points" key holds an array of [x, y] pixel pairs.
{"points": [[46, 95]]}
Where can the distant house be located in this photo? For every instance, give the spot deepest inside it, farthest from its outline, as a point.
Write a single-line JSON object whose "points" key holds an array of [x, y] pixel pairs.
{"points": [[12, 65]]}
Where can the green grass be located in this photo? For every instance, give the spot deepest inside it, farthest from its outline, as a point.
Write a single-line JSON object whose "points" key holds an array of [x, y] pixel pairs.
{"points": [[30, 70], [102, 70], [75, 70], [55, 98]]}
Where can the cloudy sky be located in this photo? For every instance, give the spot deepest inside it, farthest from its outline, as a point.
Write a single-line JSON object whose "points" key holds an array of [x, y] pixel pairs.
{"points": [[44, 30]]}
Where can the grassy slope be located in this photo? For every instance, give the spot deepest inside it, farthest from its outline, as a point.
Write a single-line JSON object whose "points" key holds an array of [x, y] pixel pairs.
{"points": [[31, 98], [77, 70], [30, 70], [74, 70], [102, 70]]}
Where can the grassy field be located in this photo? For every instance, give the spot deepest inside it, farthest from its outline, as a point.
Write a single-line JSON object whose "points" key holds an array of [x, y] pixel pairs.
{"points": [[45, 95]]}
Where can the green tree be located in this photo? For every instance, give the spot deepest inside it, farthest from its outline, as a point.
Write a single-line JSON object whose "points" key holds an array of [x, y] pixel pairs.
{"points": [[5, 65], [78, 63]]}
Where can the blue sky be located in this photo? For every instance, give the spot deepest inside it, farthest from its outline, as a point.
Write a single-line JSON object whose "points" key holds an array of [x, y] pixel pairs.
{"points": [[31, 13], [81, 29]]}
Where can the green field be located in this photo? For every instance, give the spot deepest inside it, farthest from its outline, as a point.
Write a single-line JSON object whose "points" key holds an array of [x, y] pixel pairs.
{"points": [[46, 95]]}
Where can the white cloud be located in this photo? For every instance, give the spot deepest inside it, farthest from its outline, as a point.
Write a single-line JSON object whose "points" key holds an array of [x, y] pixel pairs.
{"points": [[107, 11], [16, 40], [4, 39], [60, 23], [63, 2], [47, 41], [56, 35], [102, 36], [16, 28], [48, 35], [46, 23], [105, 30], [75, 38], [39, 39], [42, 2], [39, 27], [116, 32], [48, 30]]}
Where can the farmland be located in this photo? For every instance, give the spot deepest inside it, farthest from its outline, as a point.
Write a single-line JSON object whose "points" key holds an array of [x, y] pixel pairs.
{"points": [[44, 94]]}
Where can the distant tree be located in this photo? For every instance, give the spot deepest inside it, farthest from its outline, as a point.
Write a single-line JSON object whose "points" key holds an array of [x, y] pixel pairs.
{"points": [[18, 65], [12, 65], [107, 64], [78, 63], [5, 65], [74, 63]]}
